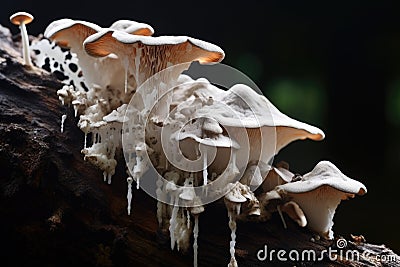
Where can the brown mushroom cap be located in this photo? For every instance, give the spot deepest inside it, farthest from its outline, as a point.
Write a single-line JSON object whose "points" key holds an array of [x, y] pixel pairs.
{"points": [[182, 48], [65, 31], [21, 17]]}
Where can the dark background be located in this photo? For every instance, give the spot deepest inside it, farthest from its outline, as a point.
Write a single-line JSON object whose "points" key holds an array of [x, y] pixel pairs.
{"points": [[333, 64]]}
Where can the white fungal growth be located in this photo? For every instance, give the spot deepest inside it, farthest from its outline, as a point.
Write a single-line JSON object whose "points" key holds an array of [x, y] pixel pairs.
{"points": [[129, 195], [281, 216], [107, 67], [205, 173], [232, 243], [195, 236], [63, 118], [173, 224]]}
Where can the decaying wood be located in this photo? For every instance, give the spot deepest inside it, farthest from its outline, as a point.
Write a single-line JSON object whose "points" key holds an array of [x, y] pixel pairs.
{"points": [[56, 210]]}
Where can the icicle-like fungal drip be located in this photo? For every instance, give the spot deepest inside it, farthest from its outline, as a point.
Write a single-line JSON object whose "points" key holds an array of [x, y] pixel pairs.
{"points": [[137, 66], [232, 226], [281, 215], [188, 219], [159, 194], [63, 118], [195, 236], [129, 196], [205, 173], [126, 66], [85, 142], [173, 223]]}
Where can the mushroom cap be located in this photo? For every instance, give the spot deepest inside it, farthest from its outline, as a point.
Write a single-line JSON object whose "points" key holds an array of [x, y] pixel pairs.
{"points": [[188, 193], [21, 17], [194, 132], [186, 49], [235, 194], [132, 27], [250, 110], [325, 173], [64, 30], [117, 115]]}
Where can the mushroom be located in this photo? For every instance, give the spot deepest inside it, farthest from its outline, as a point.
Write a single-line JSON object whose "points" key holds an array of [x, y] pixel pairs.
{"points": [[68, 33], [242, 107], [132, 27], [319, 193], [141, 54], [248, 119], [276, 176], [234, 199], [21, 19]]}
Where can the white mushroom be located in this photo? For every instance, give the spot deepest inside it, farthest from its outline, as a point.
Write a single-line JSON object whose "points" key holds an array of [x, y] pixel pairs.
{"points": [[21, 19], [319, 193], [247, 118]]}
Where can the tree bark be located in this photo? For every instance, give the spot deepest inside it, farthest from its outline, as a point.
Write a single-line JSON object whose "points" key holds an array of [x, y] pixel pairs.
{"points": [[57, 211]]}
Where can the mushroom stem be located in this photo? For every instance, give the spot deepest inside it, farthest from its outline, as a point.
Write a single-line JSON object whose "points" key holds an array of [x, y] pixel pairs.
{"points": [[25, 45]]}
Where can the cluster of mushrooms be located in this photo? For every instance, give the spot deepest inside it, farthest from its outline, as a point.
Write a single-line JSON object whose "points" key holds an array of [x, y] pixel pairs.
{"points": [[129, 92]]}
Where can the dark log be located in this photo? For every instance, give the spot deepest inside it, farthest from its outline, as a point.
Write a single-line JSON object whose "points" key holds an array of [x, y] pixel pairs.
{"points": [[57, 211]]}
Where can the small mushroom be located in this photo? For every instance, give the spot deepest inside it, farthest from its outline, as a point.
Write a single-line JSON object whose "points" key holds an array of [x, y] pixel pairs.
{"points": [[319, 193], [21, 19]]}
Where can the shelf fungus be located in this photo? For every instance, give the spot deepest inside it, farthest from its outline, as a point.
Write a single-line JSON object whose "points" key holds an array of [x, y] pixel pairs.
{"points": [[203, 143], [317, 194]]}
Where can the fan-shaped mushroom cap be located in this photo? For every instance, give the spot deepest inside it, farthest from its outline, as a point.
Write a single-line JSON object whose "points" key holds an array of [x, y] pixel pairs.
{"points": [[319, 193], [104, 73], [132, 27], [177, 49], [142, 54], [70, 33], [251, 120], [276, 176]]}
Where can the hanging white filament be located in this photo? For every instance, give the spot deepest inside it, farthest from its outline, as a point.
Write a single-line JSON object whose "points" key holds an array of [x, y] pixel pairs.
{"points": [[195, 235], [173, 224], [188, 219], [137, 65], [159, 194], [126, 66], [85, 142], [281, 215], [63, 118], [232, 226], [129, 196], [205, 173]]}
